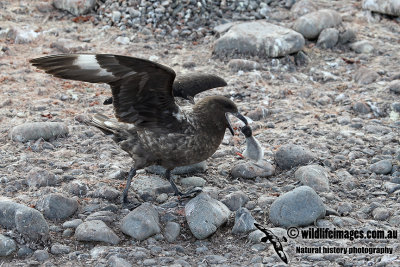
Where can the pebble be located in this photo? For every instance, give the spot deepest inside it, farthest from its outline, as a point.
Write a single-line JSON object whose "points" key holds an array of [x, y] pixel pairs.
{"points": [[96, 230], [264, 201], [389, 7], [171, 231], [362, 47], [7, 246], [381, 167], [103, 215], [142, 222], [243, 64], [311, 24], [57, 249], [251, 170], [193, 181], [394, 86], [41, 255], [258, 114], [115, 261], [215, 259], [328, 38], [57, 207], [151, 186], [365, 76], [204, 215], [381, 214], [258, 38], [244, 222], [24, 251], [35, 130], [303, 7], [77, 188], [72, 224], [314, 176], [123, 40], [347, 36], [106, 192], [76, 8], [38, 177], [235, 200], [361, 107], [300, 207], [289, 156]]}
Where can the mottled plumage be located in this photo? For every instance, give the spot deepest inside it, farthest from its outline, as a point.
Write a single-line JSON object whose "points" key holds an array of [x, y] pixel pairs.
{"points": [[151, 127]]}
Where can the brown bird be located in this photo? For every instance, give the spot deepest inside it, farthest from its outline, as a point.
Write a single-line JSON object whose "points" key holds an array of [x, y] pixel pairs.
{"points": [[152, 128]]}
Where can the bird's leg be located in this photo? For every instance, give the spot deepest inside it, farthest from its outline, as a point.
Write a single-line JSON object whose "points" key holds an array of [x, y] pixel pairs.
{"points": [[191, 193], [132, 173], [171, 181]]}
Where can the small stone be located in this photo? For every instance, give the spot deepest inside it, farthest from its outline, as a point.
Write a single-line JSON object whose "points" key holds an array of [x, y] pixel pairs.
{"points": [[244, 222], [36, 130], [72, 224], [361, 107], [251, 170], [362, 47], [328, 38], [116, 16], [142, 222], [106, 192], [123, 40], [7, 246], [235, 200], [258, 114], [300, 207], [104, 215], [365, 76], [77, 188], [96, 231], [204, 215], [381, 167], [75, 7], [24, 251], [394, 86], [380, 214], [38, 177], [289, 156], [57, 249], [303, 7], [193, 181], [171, 232], [347, 36], [314, 176], [243, 64], [311, 24], [115, 261], [57, 207], [41, 255], [149, 262]]}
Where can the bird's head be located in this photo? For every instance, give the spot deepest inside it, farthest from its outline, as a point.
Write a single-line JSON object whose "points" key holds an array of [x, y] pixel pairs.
{"points": [[218, 109]]}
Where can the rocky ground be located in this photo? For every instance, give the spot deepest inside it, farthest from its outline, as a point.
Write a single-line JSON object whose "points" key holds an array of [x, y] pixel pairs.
{"points": [[332, 108]]}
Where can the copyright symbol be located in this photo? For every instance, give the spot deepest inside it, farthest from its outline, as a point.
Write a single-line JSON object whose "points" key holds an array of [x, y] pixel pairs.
{"points": [[292, 232]]}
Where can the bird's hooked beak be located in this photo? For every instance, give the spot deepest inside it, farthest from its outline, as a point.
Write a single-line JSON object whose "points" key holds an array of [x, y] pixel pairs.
{"points": [[237, 115]]}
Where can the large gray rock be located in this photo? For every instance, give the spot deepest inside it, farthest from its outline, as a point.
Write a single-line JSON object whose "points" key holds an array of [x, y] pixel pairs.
{"points": [[7, 246], [204, 215], [381, 167], [289, 156], [311, 25], [35, 130], [75, 7], [142, 222], [314, 176], [300, 207], [96, 231], [57, 207], [29, 222], [389, 7], [258, 38]]}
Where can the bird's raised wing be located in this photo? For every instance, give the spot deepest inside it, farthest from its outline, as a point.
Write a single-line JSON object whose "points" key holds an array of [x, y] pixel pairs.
{"points": [[141, 89]]}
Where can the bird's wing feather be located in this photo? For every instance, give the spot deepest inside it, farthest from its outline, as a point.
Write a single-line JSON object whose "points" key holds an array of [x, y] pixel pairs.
{"points": [[141, 89], [192, 84]]}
